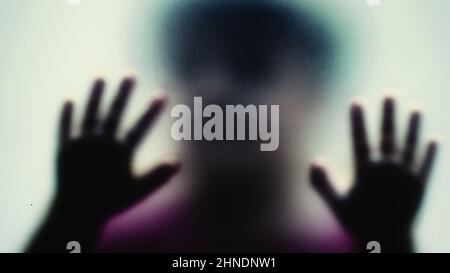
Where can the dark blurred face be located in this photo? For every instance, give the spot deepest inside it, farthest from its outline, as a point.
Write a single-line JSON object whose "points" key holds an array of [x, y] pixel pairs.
{"points": [[240, 52]]}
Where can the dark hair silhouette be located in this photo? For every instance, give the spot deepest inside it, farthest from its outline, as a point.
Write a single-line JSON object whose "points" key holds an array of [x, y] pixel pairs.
{"points": [[246, 39]]}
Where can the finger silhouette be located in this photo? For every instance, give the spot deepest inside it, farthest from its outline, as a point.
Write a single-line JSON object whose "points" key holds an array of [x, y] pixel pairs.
{"points": [[91, 114], [322, 185], [359, 136], [411, 138], [427, 164], [154, 179], [388, 128], [65, 123], [118, 106], [144, 123]]}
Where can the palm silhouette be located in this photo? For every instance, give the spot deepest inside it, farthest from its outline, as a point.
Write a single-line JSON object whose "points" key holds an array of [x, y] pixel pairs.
{"points": [[386, 193], [94, 171]]}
